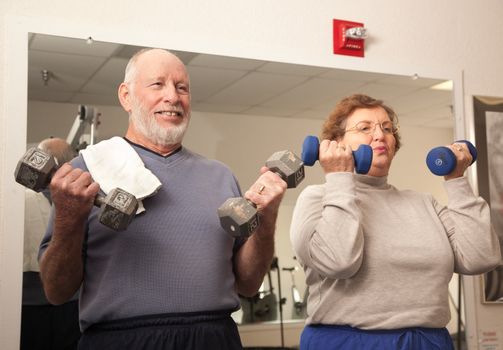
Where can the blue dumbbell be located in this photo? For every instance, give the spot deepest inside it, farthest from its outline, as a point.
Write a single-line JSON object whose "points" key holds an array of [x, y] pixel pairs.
{"points": [[441, 160], [362, 156]]}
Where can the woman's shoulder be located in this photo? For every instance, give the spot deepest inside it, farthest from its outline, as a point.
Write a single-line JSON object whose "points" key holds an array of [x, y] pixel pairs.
{"points": [[413, 194], [313, 191]]}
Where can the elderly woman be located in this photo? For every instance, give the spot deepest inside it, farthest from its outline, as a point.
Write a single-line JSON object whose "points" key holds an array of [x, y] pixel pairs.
{"points": [[378, 260]]}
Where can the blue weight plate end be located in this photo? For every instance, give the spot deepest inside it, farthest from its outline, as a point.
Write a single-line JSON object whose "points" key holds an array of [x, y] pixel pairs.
{"points": [[441, 161], [310, 149], [363, 159]]}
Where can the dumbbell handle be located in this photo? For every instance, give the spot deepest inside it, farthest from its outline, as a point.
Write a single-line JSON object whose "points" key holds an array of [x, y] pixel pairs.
{"points": [[442, 161], [362, 156], [99, 200]]}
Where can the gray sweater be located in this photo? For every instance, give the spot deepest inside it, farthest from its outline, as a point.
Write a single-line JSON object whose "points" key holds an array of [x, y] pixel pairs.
{"points": [[379, 258]]}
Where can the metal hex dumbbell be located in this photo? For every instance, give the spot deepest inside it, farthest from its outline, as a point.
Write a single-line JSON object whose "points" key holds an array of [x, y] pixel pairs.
{"points": [[36, 168], [117, 209], [288, 166], [238, 216]]}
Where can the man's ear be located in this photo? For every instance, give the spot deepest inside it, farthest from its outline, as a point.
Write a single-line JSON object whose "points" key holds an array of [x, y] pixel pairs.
{"points": [[124, 97]]}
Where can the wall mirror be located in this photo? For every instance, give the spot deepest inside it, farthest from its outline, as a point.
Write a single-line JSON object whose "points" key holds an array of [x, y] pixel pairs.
{"points": [[488, 116], [243, 111]]}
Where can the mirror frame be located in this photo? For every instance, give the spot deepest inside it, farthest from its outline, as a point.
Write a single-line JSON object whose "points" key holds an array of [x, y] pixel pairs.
{"points": [[481, 106], [14, 126]]}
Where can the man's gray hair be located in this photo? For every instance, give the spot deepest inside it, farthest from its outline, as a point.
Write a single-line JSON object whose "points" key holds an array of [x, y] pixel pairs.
{"points": [[130, 71]]}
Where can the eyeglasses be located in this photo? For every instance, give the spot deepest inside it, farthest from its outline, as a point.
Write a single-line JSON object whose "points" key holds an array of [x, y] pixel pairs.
{"points": [[366, 127]]}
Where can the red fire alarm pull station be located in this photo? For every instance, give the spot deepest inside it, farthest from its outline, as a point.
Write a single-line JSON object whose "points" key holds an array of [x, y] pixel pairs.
{"points": [[349, 38]]}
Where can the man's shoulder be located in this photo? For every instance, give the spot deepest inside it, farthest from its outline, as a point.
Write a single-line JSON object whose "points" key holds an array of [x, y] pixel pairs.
{"points": [[205, 161], [78, 162]]}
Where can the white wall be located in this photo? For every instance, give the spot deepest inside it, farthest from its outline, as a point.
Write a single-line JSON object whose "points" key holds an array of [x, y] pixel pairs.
{"points": [[449, 39]]}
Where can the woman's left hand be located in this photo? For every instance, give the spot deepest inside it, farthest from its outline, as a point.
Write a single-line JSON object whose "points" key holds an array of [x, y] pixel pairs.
{"points": [[463, 160]]}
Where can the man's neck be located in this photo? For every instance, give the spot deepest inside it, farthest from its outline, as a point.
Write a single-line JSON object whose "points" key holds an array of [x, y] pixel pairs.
{"points": [[163, 150]]}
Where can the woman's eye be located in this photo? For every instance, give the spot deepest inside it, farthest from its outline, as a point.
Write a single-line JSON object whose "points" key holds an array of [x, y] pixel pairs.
{"points": [[387, 128]]}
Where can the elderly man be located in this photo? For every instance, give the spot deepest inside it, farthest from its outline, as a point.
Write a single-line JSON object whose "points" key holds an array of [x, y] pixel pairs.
{"points": [[172, 279]]}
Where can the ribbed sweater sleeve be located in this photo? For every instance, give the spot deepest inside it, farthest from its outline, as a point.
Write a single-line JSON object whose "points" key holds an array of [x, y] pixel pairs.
{"points": [[334, 251], [468, 225]]}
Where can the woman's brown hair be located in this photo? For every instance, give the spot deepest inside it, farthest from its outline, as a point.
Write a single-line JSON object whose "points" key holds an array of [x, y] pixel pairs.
{"points": [[334, 127]]}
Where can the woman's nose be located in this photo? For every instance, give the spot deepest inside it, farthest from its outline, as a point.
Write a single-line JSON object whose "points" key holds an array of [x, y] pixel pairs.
{"points": [[378, 133]]}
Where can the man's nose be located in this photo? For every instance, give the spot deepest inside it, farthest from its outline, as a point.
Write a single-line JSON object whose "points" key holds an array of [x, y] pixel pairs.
{"points": [[170, 94]]}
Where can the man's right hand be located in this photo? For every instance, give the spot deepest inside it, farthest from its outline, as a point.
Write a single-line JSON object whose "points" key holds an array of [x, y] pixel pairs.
{"points": [[73, 192]]}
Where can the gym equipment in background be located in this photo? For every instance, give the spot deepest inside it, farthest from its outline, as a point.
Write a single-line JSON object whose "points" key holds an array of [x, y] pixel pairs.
{"points": [[87, 116], [299, 310], [261, 307]]}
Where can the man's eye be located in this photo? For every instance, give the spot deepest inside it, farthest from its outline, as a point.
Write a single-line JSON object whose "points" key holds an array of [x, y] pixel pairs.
{"points": [[183, 89]]}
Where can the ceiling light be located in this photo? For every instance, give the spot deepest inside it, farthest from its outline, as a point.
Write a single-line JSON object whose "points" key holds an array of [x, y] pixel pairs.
{"points": [[89, 40], [446, 85], [46, 75]]}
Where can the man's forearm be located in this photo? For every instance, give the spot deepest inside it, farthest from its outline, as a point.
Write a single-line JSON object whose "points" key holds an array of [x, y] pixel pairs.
{"points": [[61, 267], [254, 260]]}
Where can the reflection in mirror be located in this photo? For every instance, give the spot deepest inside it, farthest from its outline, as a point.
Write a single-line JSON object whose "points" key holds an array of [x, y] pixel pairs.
{"points": [[488, 112], [243, 110], [43, 324]]}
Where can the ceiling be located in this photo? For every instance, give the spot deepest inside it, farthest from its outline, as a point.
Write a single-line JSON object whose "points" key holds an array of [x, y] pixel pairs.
{"points": [[88, 72]]}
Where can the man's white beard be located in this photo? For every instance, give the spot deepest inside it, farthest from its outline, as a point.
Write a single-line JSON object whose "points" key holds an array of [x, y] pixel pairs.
{"points": [[150, 128]]}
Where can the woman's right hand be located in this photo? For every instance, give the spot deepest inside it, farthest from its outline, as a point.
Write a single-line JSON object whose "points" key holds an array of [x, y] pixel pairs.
{"points": [[336, 157]]}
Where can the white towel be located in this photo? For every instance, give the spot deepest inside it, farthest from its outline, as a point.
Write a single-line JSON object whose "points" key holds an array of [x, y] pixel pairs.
{"points": [[114, 163]]}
